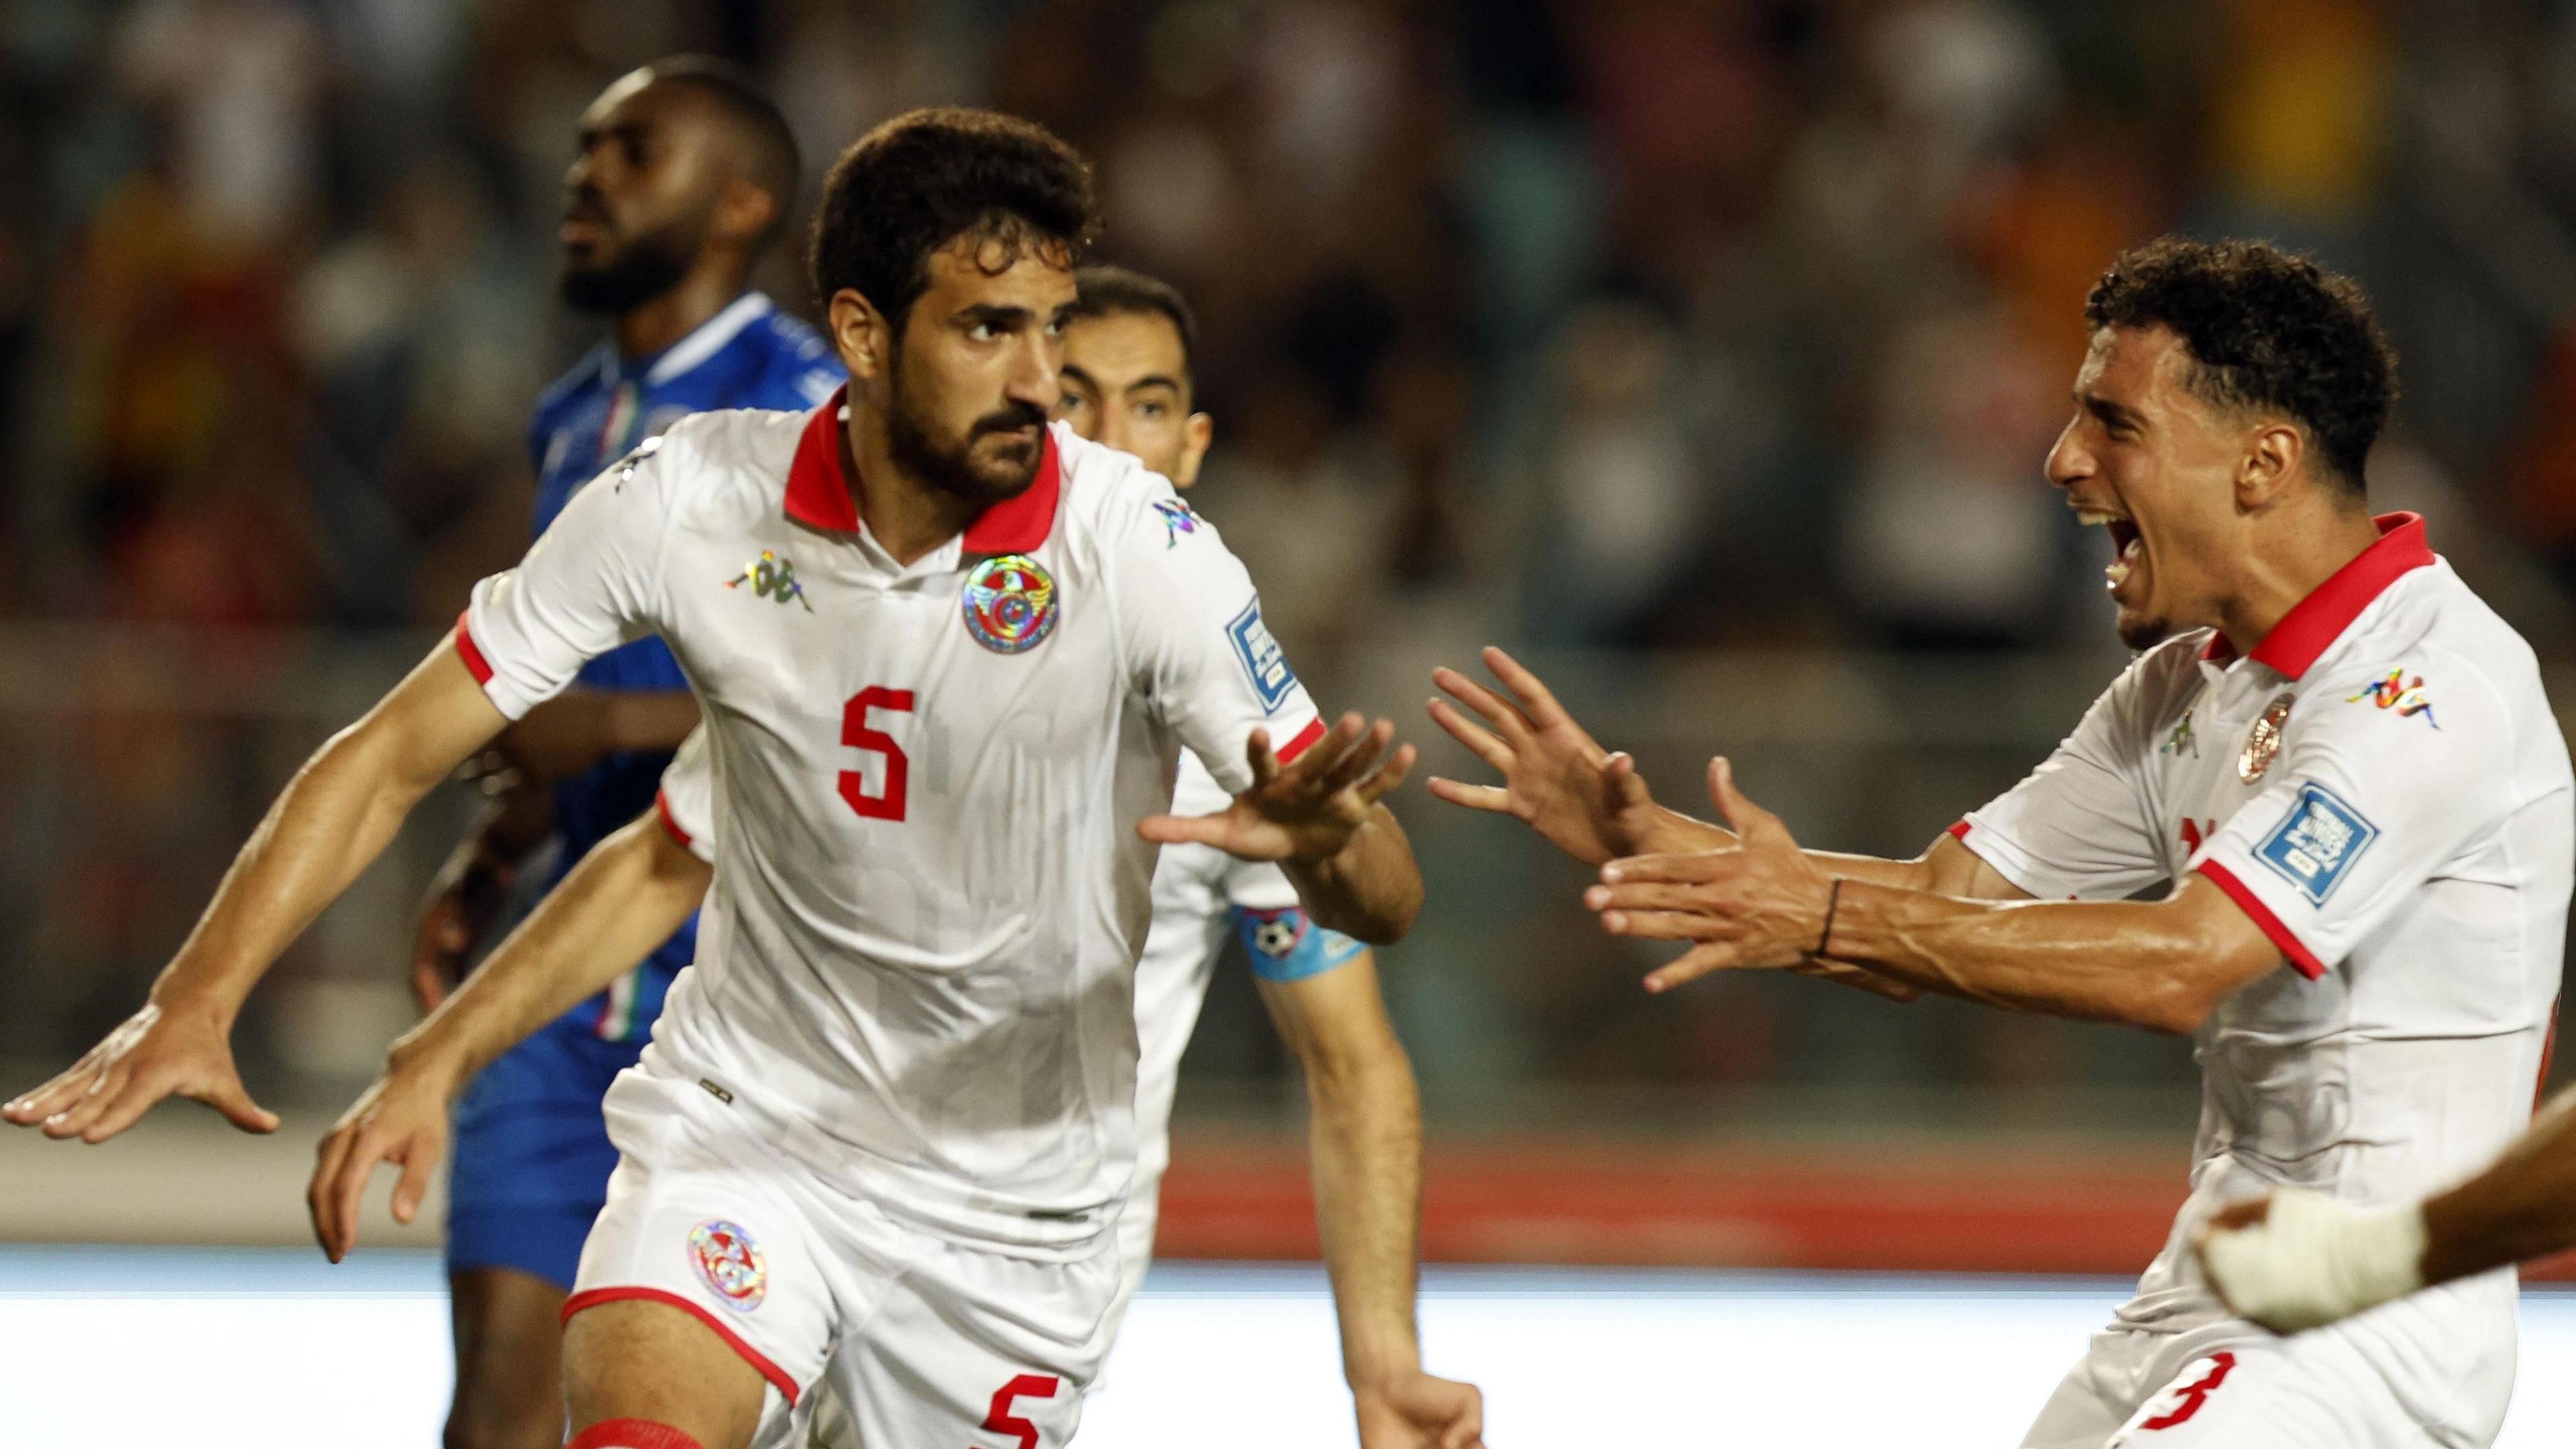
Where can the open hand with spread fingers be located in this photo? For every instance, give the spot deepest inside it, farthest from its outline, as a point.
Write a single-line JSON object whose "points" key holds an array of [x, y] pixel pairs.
{"points": [[179, 1050], [1588, 802], [1760, 904], [1306, 810]]}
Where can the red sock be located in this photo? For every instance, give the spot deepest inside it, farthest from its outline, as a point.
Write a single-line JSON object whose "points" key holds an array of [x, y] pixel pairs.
{"points": [[631, 1434]]}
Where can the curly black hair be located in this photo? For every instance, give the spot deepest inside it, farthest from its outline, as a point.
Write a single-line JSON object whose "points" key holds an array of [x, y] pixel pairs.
{"points": [[928, 177], [2269, 329]]}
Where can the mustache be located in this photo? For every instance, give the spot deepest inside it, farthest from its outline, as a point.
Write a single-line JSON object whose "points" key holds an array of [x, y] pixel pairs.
{"points": [[1009, 418], [586, 204]]}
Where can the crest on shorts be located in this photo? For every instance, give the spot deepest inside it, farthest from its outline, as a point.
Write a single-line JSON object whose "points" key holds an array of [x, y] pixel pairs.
{"points": [[2265, 741], [730, 1263], [1010, 603]]}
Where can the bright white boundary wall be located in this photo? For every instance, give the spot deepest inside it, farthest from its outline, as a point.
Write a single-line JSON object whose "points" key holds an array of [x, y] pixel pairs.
{"points": [[272, 1349]]}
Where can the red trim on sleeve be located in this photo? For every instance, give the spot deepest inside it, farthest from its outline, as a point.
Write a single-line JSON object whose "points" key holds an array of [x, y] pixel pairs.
{"points": [[632, 1434], [699, 1311], [1304, 741], [475, 663], [662, 809], [1959, 830], [2261, 915]]}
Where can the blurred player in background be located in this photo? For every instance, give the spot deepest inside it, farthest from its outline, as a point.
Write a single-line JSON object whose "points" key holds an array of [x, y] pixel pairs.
{"points": [[886, 1121], [2294, 1259], [684, 175], [1128, 383], [2339, 756]]}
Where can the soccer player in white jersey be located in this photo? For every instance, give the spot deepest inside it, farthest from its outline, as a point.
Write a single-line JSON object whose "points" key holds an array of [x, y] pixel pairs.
{"points": [[1127, 384], [2340, 758], [2293, 1259], [887, 1118]]}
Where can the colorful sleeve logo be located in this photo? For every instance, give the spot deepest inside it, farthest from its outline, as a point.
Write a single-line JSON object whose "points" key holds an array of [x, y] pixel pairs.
{"points": [[2397, 692]]}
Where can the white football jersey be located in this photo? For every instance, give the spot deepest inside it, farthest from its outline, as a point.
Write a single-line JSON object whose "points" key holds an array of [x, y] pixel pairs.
{"points": [[916, 961], [2381, 786]]}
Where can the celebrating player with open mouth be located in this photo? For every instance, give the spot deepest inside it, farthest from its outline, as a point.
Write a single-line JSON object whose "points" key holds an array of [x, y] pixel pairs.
{"points": [[1128, 384], [886, 1121], [2338, 755]]}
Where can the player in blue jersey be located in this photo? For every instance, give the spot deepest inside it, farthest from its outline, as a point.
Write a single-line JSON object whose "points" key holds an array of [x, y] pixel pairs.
{"points": [[685, 173]]}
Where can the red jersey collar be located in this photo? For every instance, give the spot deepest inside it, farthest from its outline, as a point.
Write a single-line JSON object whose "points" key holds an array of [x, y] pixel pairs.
{"points": [[819, 494], [2318, 620]]}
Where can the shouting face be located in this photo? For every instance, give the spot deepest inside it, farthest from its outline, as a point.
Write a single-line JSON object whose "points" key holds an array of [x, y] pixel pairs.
{"points": [[2156, 465]]}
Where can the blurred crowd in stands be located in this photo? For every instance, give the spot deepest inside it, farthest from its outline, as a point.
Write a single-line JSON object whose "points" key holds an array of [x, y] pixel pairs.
{"points": [[1584, 324]]}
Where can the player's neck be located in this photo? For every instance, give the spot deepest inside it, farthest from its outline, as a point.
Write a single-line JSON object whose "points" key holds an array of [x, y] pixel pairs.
{"points": [[906, 517], [2290, 565], [656, 323]]}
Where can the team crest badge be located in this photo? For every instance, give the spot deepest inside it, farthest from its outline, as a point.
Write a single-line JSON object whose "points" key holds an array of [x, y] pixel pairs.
{"points": [[730, 1263], [1010, 603], [2397, 692], [1178, 518], [2265, 741], [771, 577]]}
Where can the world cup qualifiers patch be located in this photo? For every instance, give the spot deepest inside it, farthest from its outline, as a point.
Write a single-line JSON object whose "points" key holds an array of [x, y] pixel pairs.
{"points": [[2315, 845], [1263, 661], [1010, 603], [1285, 946], [730, 1263]]}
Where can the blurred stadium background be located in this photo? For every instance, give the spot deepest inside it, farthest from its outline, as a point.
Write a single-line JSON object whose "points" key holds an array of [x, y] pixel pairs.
{"points": [[1705, 351]]}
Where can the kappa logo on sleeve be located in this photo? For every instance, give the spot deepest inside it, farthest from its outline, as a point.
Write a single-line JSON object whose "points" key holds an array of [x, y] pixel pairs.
{"points": [[1263, 660], [2315, 845]]}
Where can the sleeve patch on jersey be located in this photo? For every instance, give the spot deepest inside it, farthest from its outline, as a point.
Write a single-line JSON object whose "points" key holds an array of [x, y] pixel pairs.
{"points": [[1286, 946], [1264, 663], [2314, 846]]}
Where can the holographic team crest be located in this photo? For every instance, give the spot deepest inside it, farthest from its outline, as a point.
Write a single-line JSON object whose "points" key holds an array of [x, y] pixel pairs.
{"points": [[1010, 603], [730, 1262]]}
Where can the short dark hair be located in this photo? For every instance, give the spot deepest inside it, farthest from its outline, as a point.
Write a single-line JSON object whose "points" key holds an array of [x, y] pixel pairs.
{"points": [[1118, 292], [928, 177], [770, 151], [2268, 329]]}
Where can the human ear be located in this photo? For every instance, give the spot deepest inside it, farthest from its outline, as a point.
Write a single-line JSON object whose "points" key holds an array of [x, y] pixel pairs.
{"points": [[861, 336], [2277, 454], [1196, 433]]}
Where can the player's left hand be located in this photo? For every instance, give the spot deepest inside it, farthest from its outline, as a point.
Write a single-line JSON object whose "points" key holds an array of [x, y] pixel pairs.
{"points": [[401, 1118], [1307, 810], [1418, 1411], [1758, 905]]}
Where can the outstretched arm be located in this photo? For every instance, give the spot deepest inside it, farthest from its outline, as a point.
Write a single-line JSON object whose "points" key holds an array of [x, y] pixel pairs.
{"points": [[1320, 818], [329, 823], [1766, 904], [625, 898], [1592, 803], [1367, 1150], [2294, 1259]]}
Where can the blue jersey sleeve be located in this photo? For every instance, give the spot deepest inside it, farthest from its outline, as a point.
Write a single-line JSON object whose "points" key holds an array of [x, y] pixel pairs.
{"points": [[1286, 946]]}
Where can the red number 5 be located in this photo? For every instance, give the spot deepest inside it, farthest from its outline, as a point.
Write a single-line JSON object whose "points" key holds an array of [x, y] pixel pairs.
{"points": [[887, 803], [1003, 1421]]}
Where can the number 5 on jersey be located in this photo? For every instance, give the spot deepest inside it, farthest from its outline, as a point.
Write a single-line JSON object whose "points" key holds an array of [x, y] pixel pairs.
{"points": [[887, 803]]}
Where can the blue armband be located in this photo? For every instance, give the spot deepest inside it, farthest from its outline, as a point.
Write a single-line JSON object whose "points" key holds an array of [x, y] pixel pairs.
{"points": [[1285, 946]]}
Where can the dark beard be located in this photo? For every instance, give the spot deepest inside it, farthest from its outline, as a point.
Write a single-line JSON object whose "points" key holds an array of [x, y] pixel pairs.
{"points": [[2144, 635], [650, 265], [951, 470]]}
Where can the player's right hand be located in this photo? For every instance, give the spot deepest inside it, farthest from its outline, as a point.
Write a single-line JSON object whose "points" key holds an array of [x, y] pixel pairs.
{"points": [[180, 1050], [1586, 801], [1420, 1411], [401, 1118]]}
